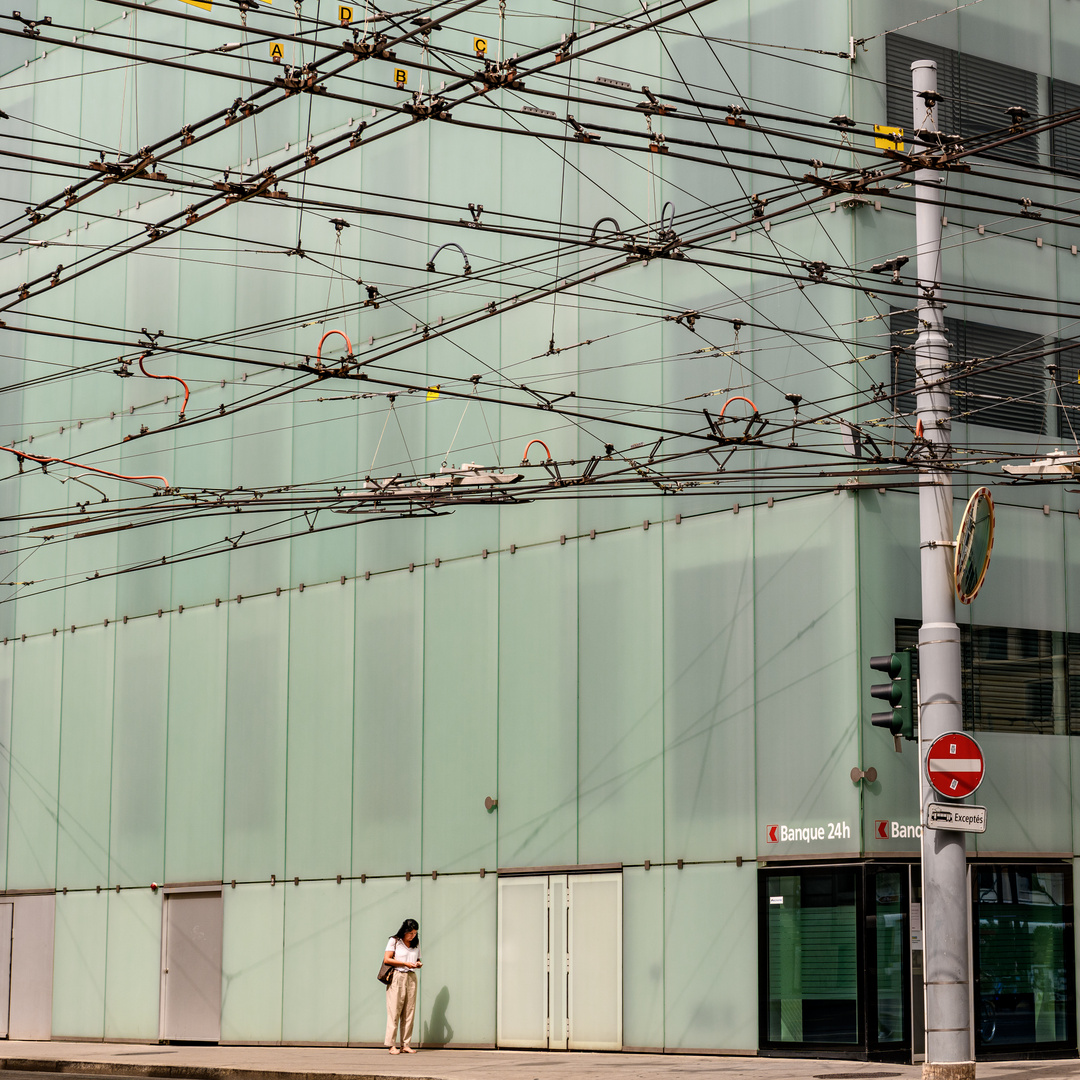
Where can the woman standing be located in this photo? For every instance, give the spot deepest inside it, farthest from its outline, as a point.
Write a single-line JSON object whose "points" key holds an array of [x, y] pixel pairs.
{"points": [[403, 955]]}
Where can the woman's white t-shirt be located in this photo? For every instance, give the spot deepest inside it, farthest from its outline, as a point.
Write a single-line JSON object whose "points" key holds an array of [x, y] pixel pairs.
{"points": [[403, 952]]}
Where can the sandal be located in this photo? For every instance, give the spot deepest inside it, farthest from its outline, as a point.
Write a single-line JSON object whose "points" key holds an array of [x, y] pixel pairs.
{"points": [[394, 1050]]}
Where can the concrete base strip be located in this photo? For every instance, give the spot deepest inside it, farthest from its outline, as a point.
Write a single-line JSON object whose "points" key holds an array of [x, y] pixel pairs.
{"points": [[183, 1072]]}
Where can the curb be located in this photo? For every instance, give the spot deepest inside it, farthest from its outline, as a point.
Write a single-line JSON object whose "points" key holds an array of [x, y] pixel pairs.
{"points": [[185, 1072]]}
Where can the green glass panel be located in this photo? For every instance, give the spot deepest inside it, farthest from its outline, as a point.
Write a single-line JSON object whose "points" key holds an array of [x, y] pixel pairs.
{"points": [[195, 789], [7, 654], [251, 963], [643, 957], [318, 821], [255, 738], [709, 688], [379, 907], [457, 984], [710, 931], [389, 724], [82, 859], [133, 971], [1025, 582], [1026, 793], [888, 589], [139, 734], [620, 764], [460, 720], [35, 744], [315, 1005], [78, 1009], [805, 649], [812, 958], [537, 815]]}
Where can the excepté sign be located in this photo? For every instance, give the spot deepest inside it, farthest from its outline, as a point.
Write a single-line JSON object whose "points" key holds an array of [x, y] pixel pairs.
{"points": [[974, 542]]}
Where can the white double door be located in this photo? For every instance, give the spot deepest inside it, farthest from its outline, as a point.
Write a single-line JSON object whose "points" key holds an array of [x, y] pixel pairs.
{"points": [[560, 961]]}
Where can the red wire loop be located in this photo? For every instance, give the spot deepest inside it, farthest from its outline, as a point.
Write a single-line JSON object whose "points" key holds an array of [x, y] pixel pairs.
{"points": [[174, 378], [531, 445], [330, 333], [738, 397], [81, 465]]}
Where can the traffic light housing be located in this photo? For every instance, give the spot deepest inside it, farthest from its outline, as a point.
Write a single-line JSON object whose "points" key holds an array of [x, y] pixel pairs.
{"points": [[899, 693]]}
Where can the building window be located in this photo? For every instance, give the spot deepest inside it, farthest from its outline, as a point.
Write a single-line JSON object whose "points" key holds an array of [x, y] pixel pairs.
{"points": [[1018, 680], [1065, 139], [1000, 379], [1023, 949], [976, 94]]}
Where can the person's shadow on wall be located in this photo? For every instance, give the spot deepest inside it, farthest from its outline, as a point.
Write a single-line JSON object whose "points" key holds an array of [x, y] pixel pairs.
{"points": [[437, 1032]]}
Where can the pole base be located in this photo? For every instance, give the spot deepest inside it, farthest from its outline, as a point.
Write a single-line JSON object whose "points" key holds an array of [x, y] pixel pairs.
{"points": [[954, 1070]]}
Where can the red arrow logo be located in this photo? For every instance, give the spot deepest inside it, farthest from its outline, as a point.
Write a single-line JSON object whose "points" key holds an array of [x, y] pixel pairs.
{"points": [[882, 829], [770, 833]]}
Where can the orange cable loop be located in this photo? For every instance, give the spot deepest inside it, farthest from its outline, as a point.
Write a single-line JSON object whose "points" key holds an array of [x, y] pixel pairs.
{"points": [[83, 465], [175, 378], [525, 458], [738, 397], [330, 333]]}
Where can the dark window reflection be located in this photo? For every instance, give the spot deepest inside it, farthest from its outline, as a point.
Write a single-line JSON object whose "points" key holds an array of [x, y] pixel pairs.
{"points": [[1023, 919], [1018, 680], [813, 958], [890, 939]]}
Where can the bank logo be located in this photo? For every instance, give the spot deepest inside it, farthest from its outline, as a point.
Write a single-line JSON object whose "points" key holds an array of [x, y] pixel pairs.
{"points": [[770, 834], [895, 830]]}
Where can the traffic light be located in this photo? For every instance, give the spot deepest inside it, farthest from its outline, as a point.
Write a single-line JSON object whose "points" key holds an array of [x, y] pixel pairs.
{"points": [[900, 694]]}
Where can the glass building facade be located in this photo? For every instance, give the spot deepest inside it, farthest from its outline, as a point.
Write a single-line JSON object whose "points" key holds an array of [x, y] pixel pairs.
{"points": [[300, 731]]}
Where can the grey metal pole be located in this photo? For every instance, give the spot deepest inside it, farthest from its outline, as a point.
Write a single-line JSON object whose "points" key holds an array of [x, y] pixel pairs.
{"points": [[944, 854]]}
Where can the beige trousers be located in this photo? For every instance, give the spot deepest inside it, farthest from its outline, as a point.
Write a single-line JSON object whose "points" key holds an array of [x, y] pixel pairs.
{"points": [[400, 1005]]}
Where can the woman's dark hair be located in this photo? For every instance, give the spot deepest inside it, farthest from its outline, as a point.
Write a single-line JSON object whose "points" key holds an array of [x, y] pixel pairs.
{"points": [[406, 926]]}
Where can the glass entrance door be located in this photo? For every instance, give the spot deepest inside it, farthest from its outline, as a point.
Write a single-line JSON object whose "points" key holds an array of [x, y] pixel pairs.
{"points": [[835, 961], [812, 958]]}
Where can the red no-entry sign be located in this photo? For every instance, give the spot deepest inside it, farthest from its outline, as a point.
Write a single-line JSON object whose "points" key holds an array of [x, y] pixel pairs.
{"points": [[954, 765]]}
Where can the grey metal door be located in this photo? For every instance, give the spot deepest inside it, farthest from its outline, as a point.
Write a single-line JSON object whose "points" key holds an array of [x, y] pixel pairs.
{"points": [[191, 970], [6, 912]]}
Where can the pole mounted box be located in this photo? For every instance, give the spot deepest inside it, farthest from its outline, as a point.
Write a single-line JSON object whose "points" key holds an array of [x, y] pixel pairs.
{"points": [[899, 693]]}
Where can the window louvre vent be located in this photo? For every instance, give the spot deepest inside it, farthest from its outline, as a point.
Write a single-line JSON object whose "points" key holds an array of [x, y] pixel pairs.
{"points": [[976, 93]]}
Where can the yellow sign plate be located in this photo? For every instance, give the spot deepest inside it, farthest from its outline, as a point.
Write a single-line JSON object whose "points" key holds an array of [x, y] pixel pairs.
{"points": [[889, 138]]}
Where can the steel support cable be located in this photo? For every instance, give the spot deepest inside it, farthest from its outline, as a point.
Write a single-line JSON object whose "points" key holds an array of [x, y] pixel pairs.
{"points": [[963, 204], [266, 87], [184, 347], [226, 358], [465, 7], [738, 180], [233, 359], [268, 12]]}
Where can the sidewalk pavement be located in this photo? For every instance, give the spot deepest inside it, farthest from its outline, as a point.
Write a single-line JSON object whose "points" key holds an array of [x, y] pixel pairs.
{"points": [[359, 1063]]}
